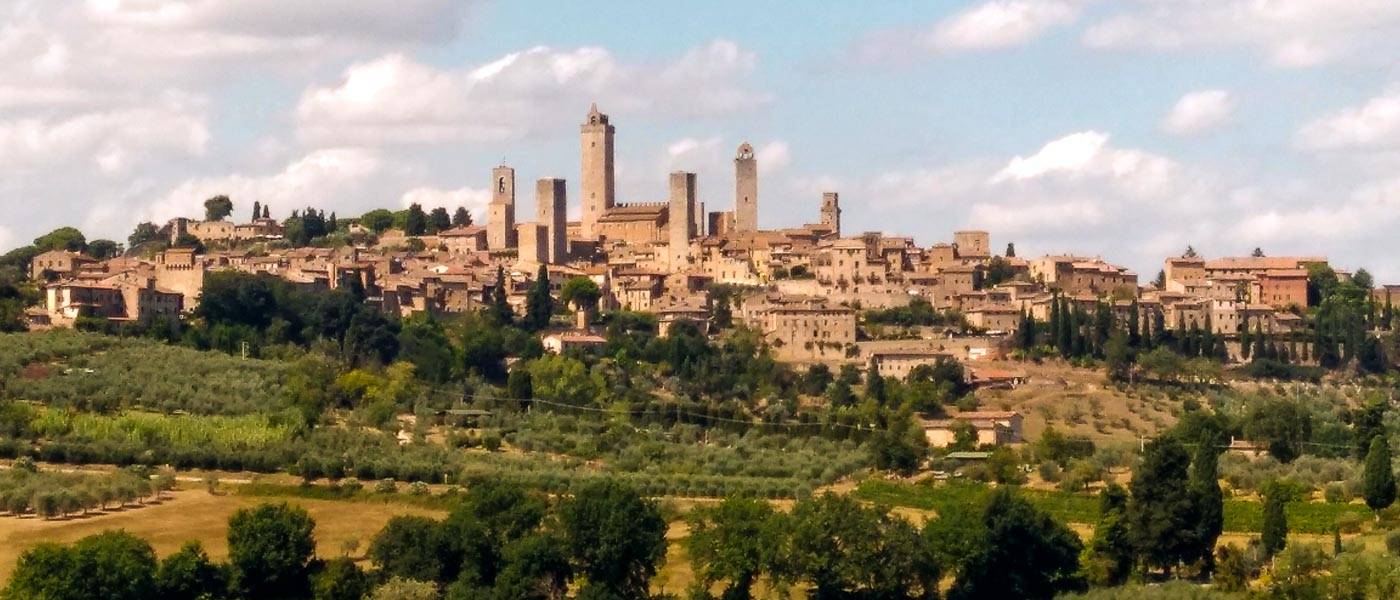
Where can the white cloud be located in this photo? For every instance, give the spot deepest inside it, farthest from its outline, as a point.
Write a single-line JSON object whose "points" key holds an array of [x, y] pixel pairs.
{"points": [[1000, 24], [1287, 33], [327, 178], [992, 25], [1017, 219], [397, 99], [111, 141], [1198, 112], [1374, 124], [1088, 154], [773, 157]]}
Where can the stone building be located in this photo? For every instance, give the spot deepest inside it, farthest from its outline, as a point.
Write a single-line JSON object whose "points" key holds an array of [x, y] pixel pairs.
{"points": [[745, 189], [597, 173], [500, 222], [551, 206]]}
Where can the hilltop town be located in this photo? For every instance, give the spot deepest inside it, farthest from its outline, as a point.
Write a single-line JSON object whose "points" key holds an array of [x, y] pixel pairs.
{"points": [[802, 286]]}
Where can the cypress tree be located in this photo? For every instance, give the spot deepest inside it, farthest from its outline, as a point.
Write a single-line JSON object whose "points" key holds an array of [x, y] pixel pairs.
{"points": [[1274, 534], [1134, 336], [1210, 501], [1378, 480], [1259, 349], [1066, 332], [539, 305], [1244, 341], [257, 210], [500, 308]]}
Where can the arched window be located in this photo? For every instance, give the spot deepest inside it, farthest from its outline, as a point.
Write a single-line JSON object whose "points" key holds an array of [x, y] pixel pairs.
{"points": [[501, 185]]}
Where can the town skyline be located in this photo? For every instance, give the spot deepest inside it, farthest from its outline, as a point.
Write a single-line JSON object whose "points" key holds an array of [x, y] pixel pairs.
{"points": [[1281, 137]]}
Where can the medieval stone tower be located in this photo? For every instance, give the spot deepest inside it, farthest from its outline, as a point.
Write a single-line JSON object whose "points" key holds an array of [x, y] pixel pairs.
{"points": [[551, 206], [500, 222], [681, 218], [597, 176], [745, 189], [831, 211]]}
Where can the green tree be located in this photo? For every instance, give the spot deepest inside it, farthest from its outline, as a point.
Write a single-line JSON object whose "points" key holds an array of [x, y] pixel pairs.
{"points": [[1378, 478], [500, 307], [378, 220], [519, 385], [63, 238], [581, 292], [270, 548], [1209, 499], [217, 208], [423, 343], [1274, 533], [439, 220], [1118, 357], [536, 568], [1024, 554], [189, 574], [615, 536], [416, 221], [539, 304], [103, 249], [1281, 425], [144, 232], [461, 218], [411, 547], [1162, 513], [340, 579], [48, 570], [399, 588], [736, 542], [1109, 557], [845, 550]]}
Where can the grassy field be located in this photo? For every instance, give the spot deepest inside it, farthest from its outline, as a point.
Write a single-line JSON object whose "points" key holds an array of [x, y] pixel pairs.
{"points": [[1242, 516], [195, 514]]}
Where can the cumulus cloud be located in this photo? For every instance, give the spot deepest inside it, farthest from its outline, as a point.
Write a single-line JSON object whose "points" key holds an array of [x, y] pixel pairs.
{"points": [[1373, 124], [110, 141], [1198, 112], [397, 99], [992, 25], [326, 178], [1286, 33], [1000, 24]]}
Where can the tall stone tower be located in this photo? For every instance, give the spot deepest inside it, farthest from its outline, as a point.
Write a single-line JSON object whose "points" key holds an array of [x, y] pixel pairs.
{"points": [[831, 211], [597, 176], [551, 206], [500, 220], [745, 189], [681, 218]]}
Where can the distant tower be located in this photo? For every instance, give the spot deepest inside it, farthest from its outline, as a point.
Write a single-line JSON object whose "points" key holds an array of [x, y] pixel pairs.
{"points": [[681, 218], [500, 224], [551, 206], [745, 189], [831, 211], [972, 244], [597, 140]]}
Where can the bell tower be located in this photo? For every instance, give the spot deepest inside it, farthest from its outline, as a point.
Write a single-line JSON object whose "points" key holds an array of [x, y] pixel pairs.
{"points": [[745, 189], [596, 137]]}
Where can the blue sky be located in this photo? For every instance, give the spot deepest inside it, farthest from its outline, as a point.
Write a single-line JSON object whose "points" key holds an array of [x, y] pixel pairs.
{"points": [[1127, 129]]}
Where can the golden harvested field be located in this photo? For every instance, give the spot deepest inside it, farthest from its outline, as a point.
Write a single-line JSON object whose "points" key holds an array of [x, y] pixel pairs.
{"points": [[195, 514]]}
